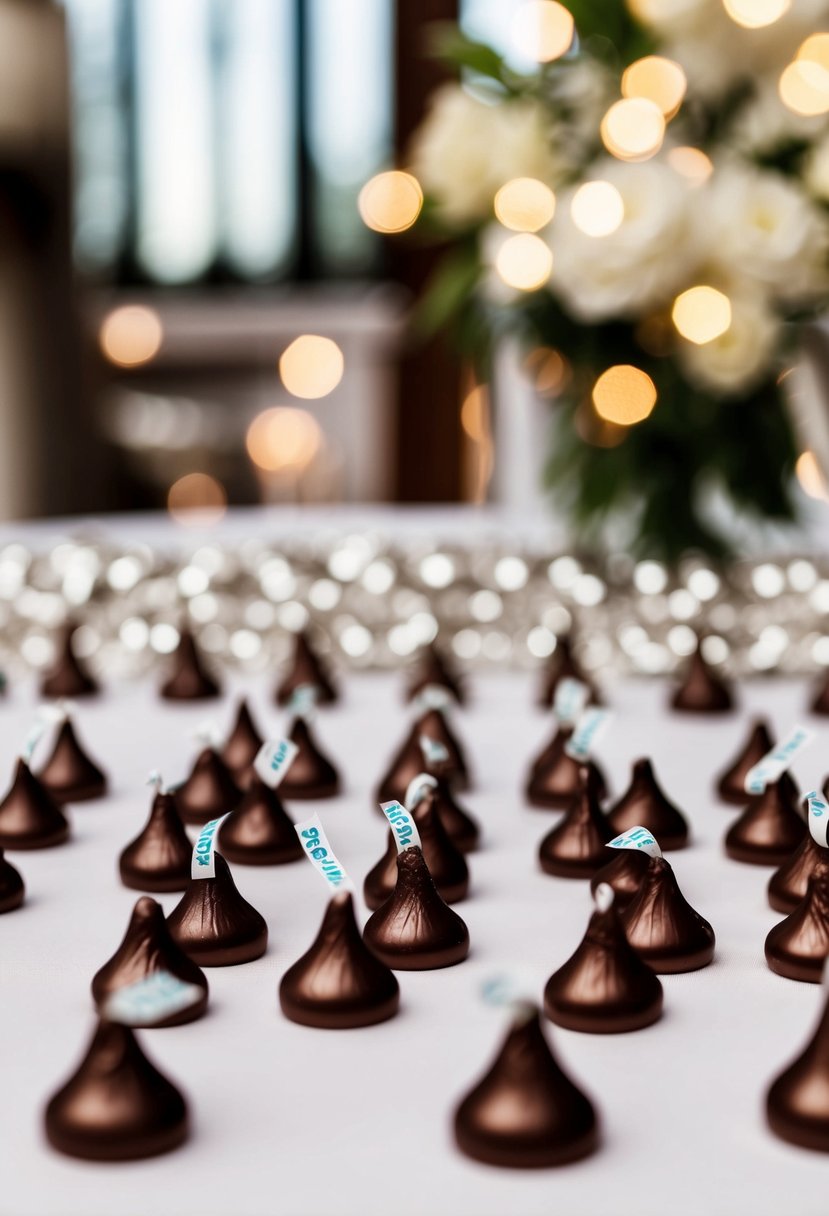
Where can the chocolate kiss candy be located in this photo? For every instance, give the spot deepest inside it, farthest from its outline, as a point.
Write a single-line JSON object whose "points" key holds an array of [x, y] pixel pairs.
{"points": [[306, 668], [731, 785], [446, 863], [69, 676], [526, 1113], [663, 928], [415, 930], [797, 1103], [339, 984], [214, 924], [159, 858], [147, 948], [820, 703], [643, 803], [311, 775], [243, 744], [787, 885], [433, 669], [30, 818], [768, 831], [69, 774], [209, 791], [188, 680], [259, 832], [12, 890], [408, 762], [460, 827], [574, 848], [117, 1106], [701, 691], [605, 987], [624, 874], [554, 776], [798, 946], [563, 664]]}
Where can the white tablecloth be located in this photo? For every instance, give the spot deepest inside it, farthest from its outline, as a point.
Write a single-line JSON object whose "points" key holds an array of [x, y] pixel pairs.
{"points": [[289, 1120]]}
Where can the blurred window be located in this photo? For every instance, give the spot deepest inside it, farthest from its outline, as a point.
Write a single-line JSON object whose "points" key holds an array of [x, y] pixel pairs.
{"points": [[227, 140]]}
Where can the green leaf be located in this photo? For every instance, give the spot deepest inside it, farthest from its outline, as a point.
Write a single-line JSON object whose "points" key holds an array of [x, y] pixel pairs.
{"points": [[447, 42], [447, 292]]}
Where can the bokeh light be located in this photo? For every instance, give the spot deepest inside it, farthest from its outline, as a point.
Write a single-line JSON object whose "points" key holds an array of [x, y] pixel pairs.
{"points": [[816, 49], [754, 14], [624, 395], [542, 30], [701, 314], [475, 414], [196, 500], [804, 88], [312, 366], [659, 80], [390, 202], [283, 439], [810, 477], [524, 262], [633, 128], [548, 370], [597, 208], [525, 204], [691, 163], [131, 335]]}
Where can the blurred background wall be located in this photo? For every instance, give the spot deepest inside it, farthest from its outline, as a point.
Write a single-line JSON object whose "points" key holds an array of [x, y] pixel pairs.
{"points": [[178, 205]]}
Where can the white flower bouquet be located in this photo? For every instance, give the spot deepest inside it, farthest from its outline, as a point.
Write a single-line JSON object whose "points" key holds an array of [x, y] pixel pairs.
{"points": [[646, 207]]}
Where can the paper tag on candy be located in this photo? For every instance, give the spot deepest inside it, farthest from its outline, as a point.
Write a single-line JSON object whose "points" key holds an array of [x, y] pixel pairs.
{"points": [[818, 814], [570, 700], [636, 838], [434, 752], [776, 762], [402, 825], [303, 701], [207, 733], [591, 724], [320, 854], [203, 864], [153, 999], [515, 988], [604, 897], [273, 760], [47, 715], [432, 696], [417, 788]]}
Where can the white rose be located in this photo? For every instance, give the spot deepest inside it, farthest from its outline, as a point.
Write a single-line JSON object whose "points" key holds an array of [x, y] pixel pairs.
{"points": [[466, 149], [643, 263], [761, 226], [764, 123], [741, 357]]}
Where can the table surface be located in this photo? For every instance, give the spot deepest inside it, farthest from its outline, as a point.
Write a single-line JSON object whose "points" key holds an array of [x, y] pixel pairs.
{"points": [[301, 1122]]}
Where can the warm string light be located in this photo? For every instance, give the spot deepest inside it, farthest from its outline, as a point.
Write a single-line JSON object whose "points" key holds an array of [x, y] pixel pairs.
{"points": [[804, 88], [754, 14], [691, 163], [390, 202], [312, 366], [525, 204], [810, 477], [131, 335], [197, 500], [658, 80], [701, 314], [477, 426], [542, 30], [624, 395], [548, 370], [283, 439], [633, 129], [597, 209], [524, 262]]}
